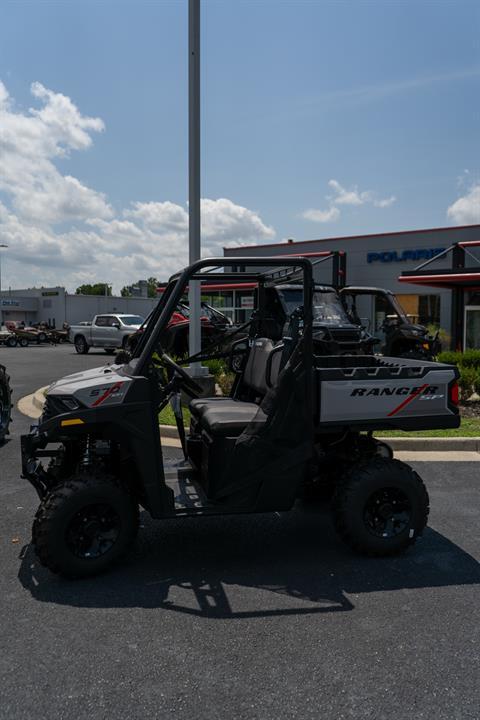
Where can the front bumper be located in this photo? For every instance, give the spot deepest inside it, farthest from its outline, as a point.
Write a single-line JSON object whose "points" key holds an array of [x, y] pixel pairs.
{"points": [[32, 449]]}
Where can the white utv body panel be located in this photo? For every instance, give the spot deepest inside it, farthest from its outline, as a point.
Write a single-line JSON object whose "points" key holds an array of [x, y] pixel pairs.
{"points": [[99, 386]]}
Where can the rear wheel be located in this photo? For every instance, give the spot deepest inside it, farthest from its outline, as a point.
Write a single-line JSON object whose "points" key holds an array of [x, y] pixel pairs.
{"points": [[81, 345], [5, 403], [11, 341], [84, 525], [23, 342], [381, 508]]}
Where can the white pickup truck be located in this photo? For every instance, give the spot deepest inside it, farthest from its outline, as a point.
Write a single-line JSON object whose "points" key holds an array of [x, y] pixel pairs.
{"points": [[108, 331]]}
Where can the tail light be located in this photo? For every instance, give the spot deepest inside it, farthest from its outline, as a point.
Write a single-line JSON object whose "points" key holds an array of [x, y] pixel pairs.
{"points": [[454, 393]]}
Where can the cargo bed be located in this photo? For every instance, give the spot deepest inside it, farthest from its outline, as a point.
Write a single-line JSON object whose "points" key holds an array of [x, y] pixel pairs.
{"points": [[372, 392]]}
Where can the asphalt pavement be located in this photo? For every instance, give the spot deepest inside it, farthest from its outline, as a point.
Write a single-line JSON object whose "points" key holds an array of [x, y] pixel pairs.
{"points": [[263, 617]]}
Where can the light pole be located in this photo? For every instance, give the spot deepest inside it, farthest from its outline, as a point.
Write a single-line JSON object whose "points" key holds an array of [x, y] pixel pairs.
{"points": [[2, 245], [194, 247]]}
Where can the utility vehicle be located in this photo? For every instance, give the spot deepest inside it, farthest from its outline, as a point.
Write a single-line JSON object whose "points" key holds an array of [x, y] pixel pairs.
{"points": [[214, 326], [294, 421], [400, 337]]}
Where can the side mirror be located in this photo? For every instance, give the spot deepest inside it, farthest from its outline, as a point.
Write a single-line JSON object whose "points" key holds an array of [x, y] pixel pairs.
{"points": [[116, 325]]}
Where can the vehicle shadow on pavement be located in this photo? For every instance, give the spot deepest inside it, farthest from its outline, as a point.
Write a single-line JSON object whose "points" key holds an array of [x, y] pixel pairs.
{"points": [[244, 567]]}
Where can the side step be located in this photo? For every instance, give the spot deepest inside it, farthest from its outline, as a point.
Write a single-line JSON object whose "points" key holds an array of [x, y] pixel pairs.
{"points": [[181, 477]]}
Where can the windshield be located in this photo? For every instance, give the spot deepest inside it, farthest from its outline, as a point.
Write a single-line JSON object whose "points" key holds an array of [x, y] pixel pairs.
{"points": [[131, 320], [327, 307]]}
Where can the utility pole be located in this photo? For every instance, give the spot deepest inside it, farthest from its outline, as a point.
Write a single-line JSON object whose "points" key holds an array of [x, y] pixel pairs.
{"points": [[194, 245], [2, 245]]}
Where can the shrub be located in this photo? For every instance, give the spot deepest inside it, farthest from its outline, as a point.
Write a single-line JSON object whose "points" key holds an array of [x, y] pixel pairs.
{"points": [[216, 367], [467, 382], [450, 357], [471, 358], [225, 382], [443, 335], [467, 359]]}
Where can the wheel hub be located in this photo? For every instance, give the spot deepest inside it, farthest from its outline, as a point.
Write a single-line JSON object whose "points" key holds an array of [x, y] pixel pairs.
{"points": [[93, 531], [387, 512]]}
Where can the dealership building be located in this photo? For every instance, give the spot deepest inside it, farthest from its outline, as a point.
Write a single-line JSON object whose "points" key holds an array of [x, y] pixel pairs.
{"points": [[437, 294], [53, 305]]}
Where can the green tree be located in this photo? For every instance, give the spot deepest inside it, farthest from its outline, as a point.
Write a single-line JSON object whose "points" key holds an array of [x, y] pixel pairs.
{"points": [[96, 289], [126, 292], [152, 287]]}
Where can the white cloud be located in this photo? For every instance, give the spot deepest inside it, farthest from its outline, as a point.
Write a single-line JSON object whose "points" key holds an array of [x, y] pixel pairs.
{"points": [[322, 216], [347, 197], [386, 202], [342, 196], [466, 210], [60, 231]]}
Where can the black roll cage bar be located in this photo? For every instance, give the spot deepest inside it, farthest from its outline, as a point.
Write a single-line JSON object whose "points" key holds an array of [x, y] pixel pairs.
{"points": [[176, 287]]}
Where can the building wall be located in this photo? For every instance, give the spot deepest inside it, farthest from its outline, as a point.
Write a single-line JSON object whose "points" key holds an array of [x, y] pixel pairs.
{"points": [[378, 260], [55, 306]]}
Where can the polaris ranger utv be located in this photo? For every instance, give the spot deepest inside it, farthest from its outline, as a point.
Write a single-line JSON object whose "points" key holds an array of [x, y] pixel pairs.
{"points": [[334, 333], [294, 419], [400, 336]]}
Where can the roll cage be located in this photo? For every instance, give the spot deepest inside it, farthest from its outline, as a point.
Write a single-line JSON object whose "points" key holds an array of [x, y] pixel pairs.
{"points": [[280, 271]]}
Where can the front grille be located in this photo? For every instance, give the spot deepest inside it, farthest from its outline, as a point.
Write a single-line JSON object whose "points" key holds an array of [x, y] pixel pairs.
{"points": [[53, 407], [348, 336]]}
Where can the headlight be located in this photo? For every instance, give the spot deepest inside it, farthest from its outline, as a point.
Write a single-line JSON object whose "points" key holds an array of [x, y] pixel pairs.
{"points": [[70, 403]]}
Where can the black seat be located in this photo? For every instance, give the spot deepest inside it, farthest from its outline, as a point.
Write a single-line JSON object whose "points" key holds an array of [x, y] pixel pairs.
{"points": [[254, 380], [230, 421]]}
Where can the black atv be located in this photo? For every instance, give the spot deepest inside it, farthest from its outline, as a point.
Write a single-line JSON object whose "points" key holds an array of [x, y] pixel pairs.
{"points": [[294, 421], [400, 336]]}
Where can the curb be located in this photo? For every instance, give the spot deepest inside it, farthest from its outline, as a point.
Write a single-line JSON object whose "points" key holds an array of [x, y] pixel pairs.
{"points": [[38, 397], [433, 444]]}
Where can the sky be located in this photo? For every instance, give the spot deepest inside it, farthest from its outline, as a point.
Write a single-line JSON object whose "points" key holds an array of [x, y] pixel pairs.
{"points": [[319, 119]]}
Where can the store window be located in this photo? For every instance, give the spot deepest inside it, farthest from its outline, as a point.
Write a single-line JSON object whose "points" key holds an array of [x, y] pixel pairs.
{"points": [[423, 309]]}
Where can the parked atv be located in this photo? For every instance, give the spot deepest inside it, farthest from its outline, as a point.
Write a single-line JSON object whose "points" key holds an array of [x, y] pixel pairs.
{"points": [[8, 338], [292, 416], [214, 326], [399, 336], [334, 333], [5, 403]]}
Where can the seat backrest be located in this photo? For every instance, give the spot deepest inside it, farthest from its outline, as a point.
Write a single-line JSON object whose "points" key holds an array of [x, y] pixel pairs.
{"points": [[264, 356], [254, 374]]}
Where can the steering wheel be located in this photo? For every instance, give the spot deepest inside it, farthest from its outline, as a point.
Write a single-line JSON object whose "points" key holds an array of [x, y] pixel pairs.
{"points": [[187, 380]]}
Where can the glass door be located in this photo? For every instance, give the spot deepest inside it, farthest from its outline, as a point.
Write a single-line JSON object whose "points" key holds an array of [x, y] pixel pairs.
{"points": [[471, 339]]}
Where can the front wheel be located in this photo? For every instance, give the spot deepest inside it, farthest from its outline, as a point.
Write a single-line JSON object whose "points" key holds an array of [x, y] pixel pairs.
{"points": [[84, 525], [23, 342], [381, 508], [81, 345], [11, 341]]}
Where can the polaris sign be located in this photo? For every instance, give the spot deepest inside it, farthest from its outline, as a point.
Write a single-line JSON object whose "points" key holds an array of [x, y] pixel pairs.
{"points": [[389, 256]]}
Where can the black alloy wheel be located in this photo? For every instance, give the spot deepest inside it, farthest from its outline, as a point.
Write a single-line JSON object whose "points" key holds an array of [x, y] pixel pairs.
{"points": [[380, 507], [93, 531], [84, 525], [5, 403], [387, 512]]}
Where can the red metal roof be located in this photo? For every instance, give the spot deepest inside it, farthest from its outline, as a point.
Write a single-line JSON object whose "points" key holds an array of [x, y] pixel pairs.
{"points": [[358, 237]]}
